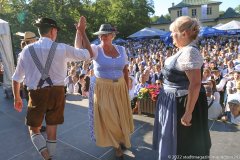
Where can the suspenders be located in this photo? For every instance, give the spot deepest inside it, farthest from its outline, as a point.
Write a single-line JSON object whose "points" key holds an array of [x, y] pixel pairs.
{"points": [[44, 71]]}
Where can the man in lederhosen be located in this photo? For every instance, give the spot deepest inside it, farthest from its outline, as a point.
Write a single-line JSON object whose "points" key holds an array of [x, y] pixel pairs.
{"points": [[43, 64], [28, 38]]}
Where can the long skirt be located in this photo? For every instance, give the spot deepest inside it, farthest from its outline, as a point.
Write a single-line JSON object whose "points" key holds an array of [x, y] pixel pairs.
{"points": [[171, 138], [113, 121], [91, 107]]}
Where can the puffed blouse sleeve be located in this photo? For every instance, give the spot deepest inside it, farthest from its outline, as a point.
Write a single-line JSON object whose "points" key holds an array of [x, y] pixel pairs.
{"points": [[95, 51], [190, 59]]}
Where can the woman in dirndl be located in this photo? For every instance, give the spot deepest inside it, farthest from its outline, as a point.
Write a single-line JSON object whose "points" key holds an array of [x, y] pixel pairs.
{"points": [[113, 121], [181, 119]]}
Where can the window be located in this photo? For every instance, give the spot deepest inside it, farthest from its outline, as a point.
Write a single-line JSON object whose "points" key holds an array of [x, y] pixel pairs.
{"points": [[194, 12], [179, 13], [209, 10]]}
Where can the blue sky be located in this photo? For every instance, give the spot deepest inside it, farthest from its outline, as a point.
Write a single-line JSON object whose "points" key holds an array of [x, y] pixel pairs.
{"points": [[161, 6]]}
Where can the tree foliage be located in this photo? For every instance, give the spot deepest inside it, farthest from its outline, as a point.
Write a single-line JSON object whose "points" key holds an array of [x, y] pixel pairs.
{"points": [[237, 9], [127, 16], [154, 18]]}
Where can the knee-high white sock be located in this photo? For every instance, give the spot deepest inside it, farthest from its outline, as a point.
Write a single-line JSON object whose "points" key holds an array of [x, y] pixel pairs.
{"points": [[51, 146], [39, 142]]}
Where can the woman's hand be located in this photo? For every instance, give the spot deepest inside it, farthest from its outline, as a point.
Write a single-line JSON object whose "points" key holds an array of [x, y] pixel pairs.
{"points": [[186, 119], [81, 26]]}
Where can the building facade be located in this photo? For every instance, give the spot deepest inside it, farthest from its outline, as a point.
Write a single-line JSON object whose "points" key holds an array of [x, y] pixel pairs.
{"points": [[207, 11]]}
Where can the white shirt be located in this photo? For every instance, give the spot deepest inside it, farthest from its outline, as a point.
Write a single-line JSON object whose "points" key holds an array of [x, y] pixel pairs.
{"points": [[58, 70], [231, 97], [215, 110], [235, 120], [189, 58]]}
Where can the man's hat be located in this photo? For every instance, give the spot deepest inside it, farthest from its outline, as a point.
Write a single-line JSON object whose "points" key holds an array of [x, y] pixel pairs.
{"points": [[234, 101], [46, 22], [106, 29], [27, 36]]}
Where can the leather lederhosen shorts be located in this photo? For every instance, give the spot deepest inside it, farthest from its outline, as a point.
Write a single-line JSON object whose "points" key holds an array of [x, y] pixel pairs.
{"points": [[46, 102]]}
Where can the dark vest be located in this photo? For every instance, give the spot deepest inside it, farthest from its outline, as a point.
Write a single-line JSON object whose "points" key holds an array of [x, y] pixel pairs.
{"points": [[173, 77]]}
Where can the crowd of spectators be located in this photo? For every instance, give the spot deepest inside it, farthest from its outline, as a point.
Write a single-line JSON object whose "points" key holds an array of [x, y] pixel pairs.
{"points": [[220, 74]]}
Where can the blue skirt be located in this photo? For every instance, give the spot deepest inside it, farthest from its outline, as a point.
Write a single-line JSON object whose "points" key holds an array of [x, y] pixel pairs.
{"points": [[171, 138]]}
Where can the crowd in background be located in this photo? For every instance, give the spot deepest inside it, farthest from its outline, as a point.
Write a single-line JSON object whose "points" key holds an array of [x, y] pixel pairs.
{"points": [[220, 74]]}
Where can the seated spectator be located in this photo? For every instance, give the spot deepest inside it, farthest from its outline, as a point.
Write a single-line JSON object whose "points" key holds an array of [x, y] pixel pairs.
{"points": [[140, 85], [214, 107], [216, 75], [133, 98], [158, 84], [233, 115], [131, 87], [231, 85], [237, 61], [157, 73], [229, 68], [206, 75], [85, 88], [79, 84], [69, 81], [235, 95], [215, 93]]}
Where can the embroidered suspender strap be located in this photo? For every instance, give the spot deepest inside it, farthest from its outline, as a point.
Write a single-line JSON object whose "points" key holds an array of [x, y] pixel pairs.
{"points": [[44, 71]]}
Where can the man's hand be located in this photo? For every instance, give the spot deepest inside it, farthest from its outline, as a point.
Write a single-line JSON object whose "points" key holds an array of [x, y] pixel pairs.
{"points": [[81, 26], [18, 104]]}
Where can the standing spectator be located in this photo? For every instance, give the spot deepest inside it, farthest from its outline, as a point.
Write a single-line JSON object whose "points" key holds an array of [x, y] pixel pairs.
{"points": [[46, 85]]}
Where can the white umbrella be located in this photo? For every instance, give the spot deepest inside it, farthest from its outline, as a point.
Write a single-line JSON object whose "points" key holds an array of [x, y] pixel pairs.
{"points": [[230, 26], [147, 32], [218, 25]]}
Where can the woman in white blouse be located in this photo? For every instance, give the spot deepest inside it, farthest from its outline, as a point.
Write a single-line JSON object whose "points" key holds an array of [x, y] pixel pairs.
{"points": [[181, 118]]}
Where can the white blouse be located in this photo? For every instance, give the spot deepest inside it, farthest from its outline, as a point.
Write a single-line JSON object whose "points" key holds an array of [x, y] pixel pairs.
{"points": [[189, 59]]}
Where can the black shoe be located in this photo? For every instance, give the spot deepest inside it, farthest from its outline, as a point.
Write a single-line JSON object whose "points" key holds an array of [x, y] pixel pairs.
{"points": [[119, 157], [43, 129], [123, 147]]}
